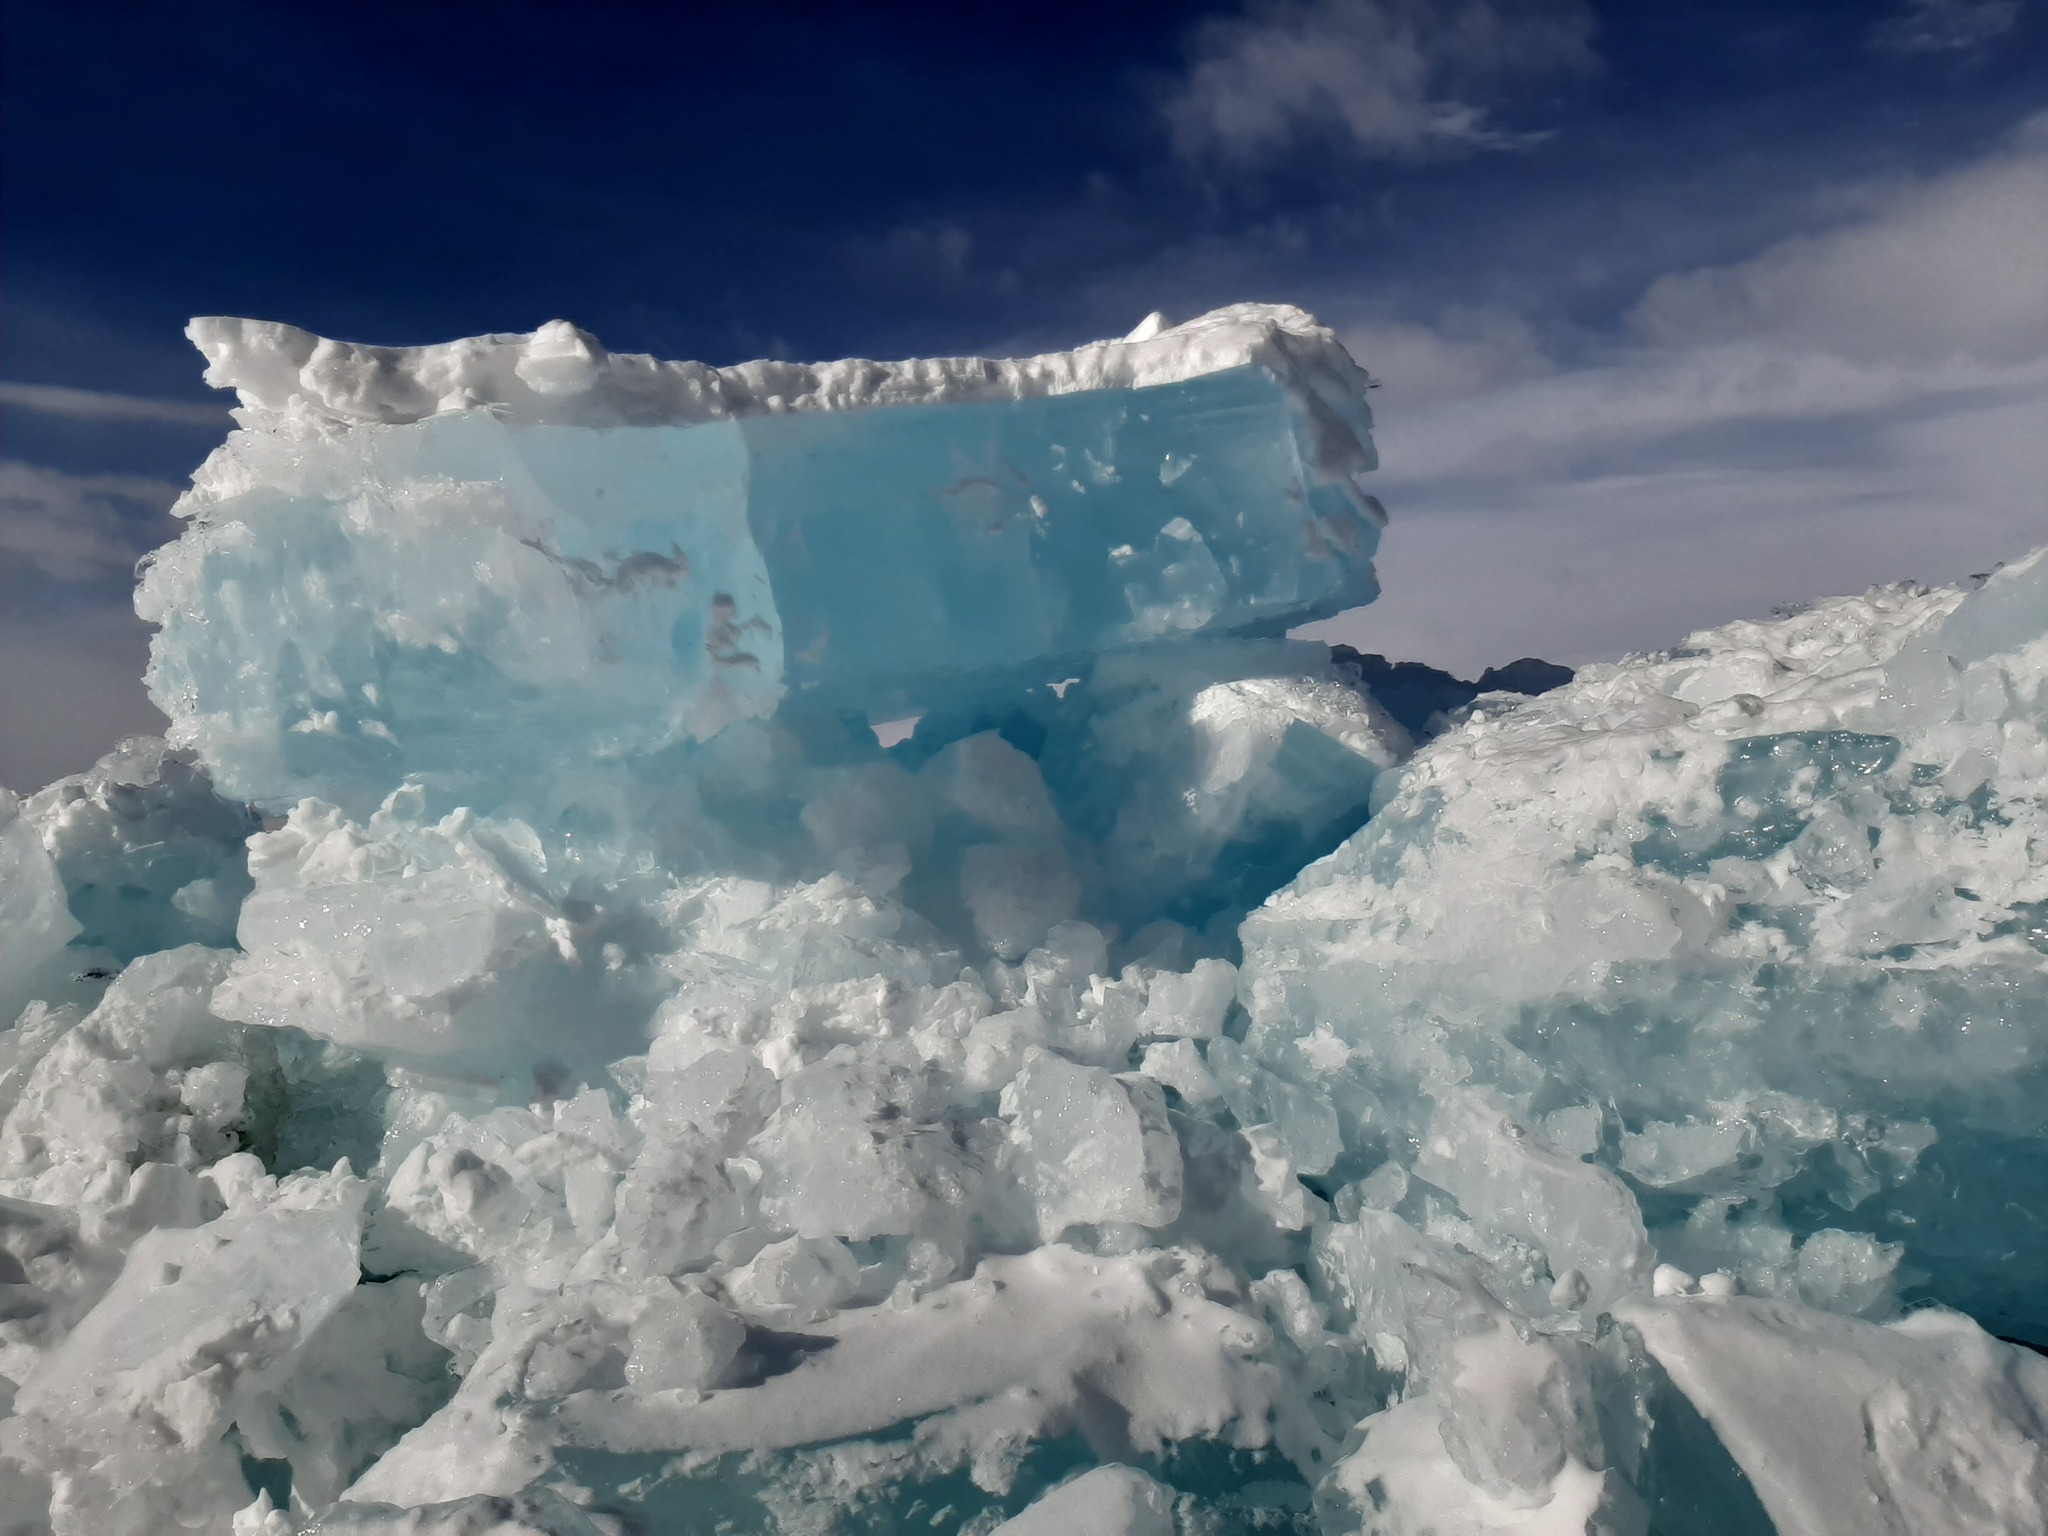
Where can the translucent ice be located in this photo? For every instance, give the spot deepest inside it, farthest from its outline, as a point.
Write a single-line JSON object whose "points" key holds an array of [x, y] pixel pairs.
{"points": [[387, 574], [1092, 1149]]}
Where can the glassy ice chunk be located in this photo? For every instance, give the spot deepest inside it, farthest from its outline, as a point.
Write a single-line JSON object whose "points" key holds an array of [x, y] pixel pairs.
{"points": [[462, 599], [855, 1154], [1092, 1147], [468, 587], [684, 1340], [796, 1281], [1580, 1214], [1210, 772], [1774, 901], [150, 857], [1190, 1005], [432, 937]]}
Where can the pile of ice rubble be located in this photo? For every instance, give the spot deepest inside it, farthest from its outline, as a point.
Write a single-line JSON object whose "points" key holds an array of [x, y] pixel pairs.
{"points": [[528, 1060]]}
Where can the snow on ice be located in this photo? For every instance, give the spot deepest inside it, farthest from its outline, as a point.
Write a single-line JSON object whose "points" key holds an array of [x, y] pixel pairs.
{"points": [[523, 1057]]}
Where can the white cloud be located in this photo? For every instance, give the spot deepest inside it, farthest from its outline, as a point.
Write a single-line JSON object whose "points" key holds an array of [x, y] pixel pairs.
{"points": [[1646, 405], [71, 688], [1952, 266], [1466, 350], [97, 405], [1600, 543], [1391, 77], [79, 527], [1946, 26], [1866, 403]]}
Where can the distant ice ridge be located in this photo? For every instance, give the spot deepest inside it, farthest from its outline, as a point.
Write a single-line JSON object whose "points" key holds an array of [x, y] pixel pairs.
{"points": [[1166, 1094]]}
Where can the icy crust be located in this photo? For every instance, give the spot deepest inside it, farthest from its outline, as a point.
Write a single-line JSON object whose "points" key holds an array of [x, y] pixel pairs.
{"points": [[562, 374], [466, 595]]}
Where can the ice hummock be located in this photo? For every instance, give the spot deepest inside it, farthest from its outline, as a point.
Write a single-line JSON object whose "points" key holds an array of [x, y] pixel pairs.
{"points": [[1195, 1083]]}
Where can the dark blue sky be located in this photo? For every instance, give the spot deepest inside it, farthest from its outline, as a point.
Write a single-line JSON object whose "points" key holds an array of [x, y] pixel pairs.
{"points": [[1482, 195], [713, 183]]}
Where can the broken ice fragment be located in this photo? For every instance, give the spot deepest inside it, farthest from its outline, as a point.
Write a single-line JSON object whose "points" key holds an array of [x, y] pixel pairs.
{"points": [[132, 1411], [1091, 1147], [1925, 1427], [1108, 1501], [1581, 1215]]}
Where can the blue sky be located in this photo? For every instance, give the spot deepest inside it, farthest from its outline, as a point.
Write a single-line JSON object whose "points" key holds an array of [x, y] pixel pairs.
{"points": [[1682, 310]]}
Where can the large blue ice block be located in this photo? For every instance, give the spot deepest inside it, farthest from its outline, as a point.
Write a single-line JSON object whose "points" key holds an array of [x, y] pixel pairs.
{"points": [[474, 600]]}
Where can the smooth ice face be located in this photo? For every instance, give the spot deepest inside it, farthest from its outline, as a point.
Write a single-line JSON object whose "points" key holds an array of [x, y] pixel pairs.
{"points": [[919, 551], [461, 599], [481, 591]]}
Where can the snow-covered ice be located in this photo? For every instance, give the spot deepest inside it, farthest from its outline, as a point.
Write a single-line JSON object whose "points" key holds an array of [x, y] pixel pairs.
{"points": [[524, 1057]]}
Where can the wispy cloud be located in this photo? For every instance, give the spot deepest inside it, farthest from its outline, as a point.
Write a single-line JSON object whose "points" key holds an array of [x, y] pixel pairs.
{"points": [[1946, 26], [80, 527], [1467, 349], [1943, 268], [74, 649], [1855, 404], [1392, 78], [72, 687], [98, 405]]}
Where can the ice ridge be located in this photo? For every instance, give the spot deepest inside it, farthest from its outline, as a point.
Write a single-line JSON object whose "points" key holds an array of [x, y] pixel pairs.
{"points": [[1197, 1082]]}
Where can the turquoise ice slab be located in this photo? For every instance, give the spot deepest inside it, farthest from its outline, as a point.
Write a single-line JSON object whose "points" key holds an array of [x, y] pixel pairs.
{"points": [[913, 548], [479, 603]]}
